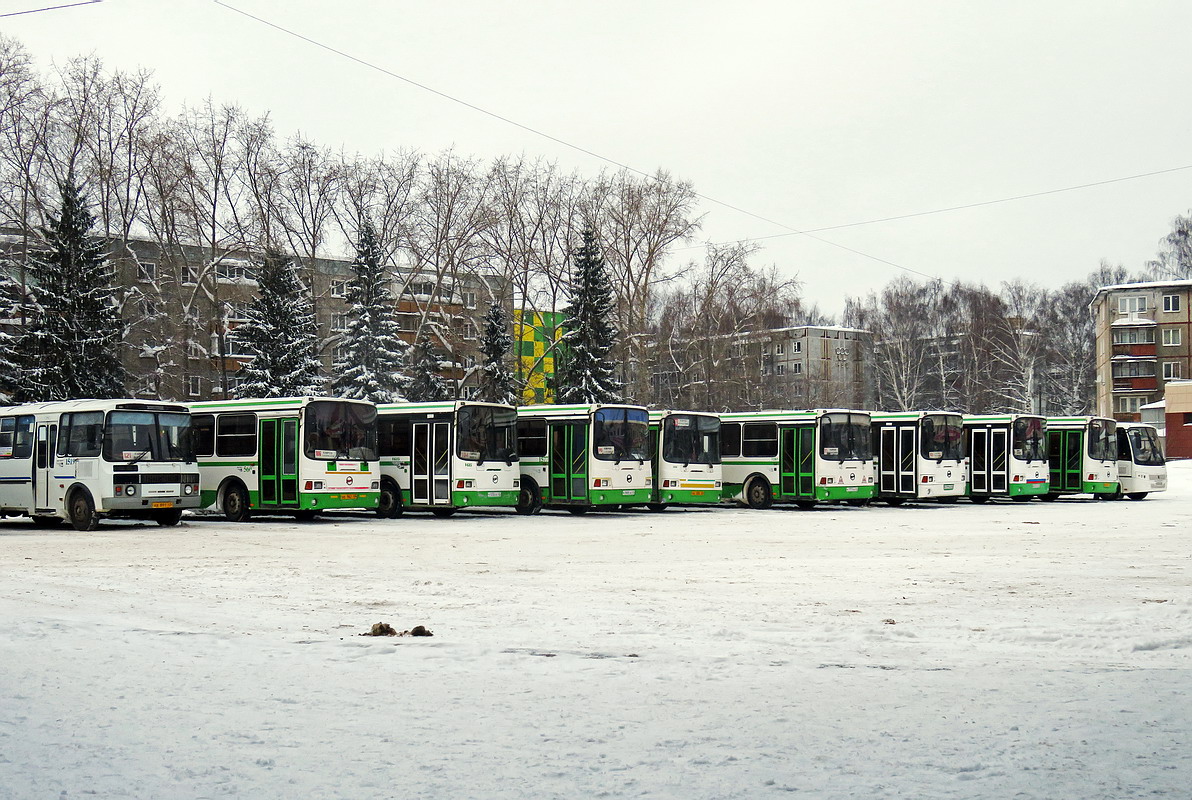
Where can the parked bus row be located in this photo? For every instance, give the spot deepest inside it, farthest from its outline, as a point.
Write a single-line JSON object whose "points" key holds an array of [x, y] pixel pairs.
{"points": [[80, 461]]}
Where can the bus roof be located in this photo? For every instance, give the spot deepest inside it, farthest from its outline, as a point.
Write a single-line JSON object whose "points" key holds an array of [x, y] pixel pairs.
{"points": [[270, 402]]}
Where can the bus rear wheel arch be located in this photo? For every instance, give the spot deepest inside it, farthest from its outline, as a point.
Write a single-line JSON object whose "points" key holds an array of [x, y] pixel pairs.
{"points": [[389, 505], [81, 510], [233, 499]]}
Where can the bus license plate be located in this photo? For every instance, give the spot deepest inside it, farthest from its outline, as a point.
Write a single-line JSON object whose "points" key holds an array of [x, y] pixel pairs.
{"points": [[161, 505], [696, 494], [627, 491], [852, 488], [494, 494], [949, 487]]}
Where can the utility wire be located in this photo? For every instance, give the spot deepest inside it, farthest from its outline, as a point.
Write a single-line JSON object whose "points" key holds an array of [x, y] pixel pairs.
{"points": [[49, 8]]}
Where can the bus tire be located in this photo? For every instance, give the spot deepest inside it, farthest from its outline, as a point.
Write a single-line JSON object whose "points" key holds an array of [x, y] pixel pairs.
{"points": [[40, 521], [235, 502], [529, 498], [979, 498], [389, 504], [443, 513], [656, 506], [168, 518], [1137, 495], [757, 493], [81, 508]]}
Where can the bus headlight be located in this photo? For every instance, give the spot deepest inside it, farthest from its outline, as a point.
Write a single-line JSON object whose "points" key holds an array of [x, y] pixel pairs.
{"points": [[188, 489], [130, 490]]}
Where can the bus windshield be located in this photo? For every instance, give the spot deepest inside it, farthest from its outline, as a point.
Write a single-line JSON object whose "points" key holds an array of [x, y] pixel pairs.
{"points": [[1144, 447], [1029, 443], [1102, 440], [147, 436], [941, 437], [620, 433], [845, 437], [691, 439], [338, 430], [487, 433]]}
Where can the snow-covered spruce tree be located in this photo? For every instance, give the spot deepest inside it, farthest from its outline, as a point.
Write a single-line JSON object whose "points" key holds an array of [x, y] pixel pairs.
{"points": [[426, 384], [70, 344], [373, 351], [496, 379], [280, 330], [586, 372]]}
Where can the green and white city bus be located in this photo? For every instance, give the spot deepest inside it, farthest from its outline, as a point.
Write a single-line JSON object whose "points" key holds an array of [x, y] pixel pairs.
{"points": [[686, 469], [85, 460], [1082, 452], [801, 457], [580, 457], [1142, 469], [920, 456], [292, 455], [1007, 456], [448, 455]]}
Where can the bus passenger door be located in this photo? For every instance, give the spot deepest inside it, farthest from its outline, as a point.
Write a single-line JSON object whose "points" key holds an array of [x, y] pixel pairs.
{"points": [[420, 463], [441, 462], [906, 460], [888, 460], [806, 461], [278, 482], [998, 466], [569, 461], [788, 453], [43, 466], [979, 466]]}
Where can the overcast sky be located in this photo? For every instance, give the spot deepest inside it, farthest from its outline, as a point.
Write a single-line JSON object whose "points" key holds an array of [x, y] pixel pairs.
{"points": [[808, 114]]}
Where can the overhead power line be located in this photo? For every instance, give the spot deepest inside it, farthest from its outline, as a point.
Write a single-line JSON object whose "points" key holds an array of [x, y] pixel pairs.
{"points": [[49, 8]]}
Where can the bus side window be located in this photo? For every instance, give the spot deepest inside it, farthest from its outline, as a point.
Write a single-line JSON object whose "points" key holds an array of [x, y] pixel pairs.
{"points": [[730, 439], [531, 437], [81, 434], [23, 440], [202, 428], [760, 439], [8, 427], [1123, 448], [236, 435], [393, 436]]}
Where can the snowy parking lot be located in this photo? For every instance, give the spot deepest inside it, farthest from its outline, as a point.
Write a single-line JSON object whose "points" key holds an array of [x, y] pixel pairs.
{"points": [[1008, 650]]}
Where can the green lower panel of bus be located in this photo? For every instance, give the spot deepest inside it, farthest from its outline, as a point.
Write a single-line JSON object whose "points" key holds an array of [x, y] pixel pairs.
{"points": [[1028, 489], [608, 497], [846, 492], [686, 496], [306, 500], [472, 499], [1099, 487]]}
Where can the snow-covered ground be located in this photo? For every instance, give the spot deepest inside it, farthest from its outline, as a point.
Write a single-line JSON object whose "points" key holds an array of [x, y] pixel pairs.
{"points": [[1034, 650]]}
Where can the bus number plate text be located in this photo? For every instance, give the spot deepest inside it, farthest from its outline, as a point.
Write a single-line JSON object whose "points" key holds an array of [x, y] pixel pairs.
{"points": [[162, 505]]}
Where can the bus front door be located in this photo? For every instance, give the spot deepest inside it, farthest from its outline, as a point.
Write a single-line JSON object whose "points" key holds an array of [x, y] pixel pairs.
{"points": [[430, 465], [569, 461], [1064, 450], [896, 460], [279, 462], [988, 466], [797, 463]]}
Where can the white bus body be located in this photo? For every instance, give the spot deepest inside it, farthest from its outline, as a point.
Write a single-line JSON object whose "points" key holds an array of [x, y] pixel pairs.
{"points": [[802, 457], [445, 456], [83, 460], [297, 455], [920, 455], [1142, 469], [1082, 453], [582, 456], [685, 448], [1007, 455]]}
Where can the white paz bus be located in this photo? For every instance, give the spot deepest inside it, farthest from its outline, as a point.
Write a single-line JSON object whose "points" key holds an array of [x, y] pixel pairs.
{"points": [[1142, 469], [448, 455], [801, 457], [581, 457], [288, 455], [84, 460]]}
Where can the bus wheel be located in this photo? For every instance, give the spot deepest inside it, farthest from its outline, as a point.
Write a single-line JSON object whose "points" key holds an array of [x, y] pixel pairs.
{"points": [[757, 493], [578, 510], [82, 511], [980, 498], [443, 513], [529, 499], [1137, 495], [53, 522], [169, 518], [389, 505], [656, 506], [235, 503]]}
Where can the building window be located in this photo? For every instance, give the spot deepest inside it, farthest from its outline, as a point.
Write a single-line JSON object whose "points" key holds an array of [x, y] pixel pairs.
{"points": [[194, 385], [234, 270], [190, 273], [195, 350], [1172, 337], [1132, 304], [339, 322], [796, 347], [780, 369], [236, 312], [469, 299], [1172, 371], [1134, 336], [147, 271], [797, 368], [339, 289], [1134, 369], [1130, 405], [780, 349], [1171, 303]]}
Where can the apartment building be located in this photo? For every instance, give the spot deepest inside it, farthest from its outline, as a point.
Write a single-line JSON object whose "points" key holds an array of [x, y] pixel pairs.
{"points": [[1143, 337]]}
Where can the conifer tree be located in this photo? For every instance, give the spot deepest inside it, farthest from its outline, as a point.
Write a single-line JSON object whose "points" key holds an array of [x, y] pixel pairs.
{"points": [[374, 353], [426, 384], [70, 345], [280, 330], [586, 372], [496, 379]]}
